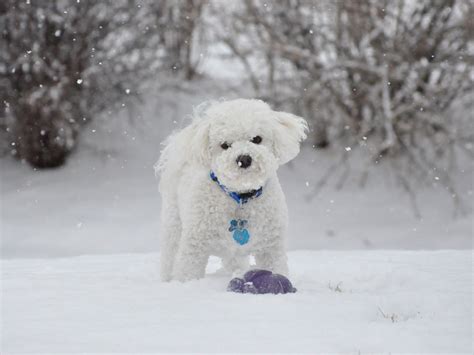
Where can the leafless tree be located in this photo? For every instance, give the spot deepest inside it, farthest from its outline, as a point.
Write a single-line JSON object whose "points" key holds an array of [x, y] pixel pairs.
{"points": [[381, 75], [63, 63], [175, 24]]}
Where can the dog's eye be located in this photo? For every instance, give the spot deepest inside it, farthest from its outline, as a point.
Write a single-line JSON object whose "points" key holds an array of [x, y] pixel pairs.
{"points": [[257, 140], [225, 145]]}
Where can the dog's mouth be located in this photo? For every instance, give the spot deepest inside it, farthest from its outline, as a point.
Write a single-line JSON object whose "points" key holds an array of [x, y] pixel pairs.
{"points": [[245, 184], [248, 194]]}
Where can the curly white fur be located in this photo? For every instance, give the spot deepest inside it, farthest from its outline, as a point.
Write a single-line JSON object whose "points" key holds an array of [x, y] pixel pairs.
{"points": [[196, 212]]}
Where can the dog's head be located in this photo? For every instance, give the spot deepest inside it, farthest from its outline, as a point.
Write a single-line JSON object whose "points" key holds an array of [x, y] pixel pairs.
{"points": [[244, 141]]}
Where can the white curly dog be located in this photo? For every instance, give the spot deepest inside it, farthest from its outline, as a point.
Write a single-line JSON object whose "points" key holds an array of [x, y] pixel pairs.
{"points": [[220, 191]]}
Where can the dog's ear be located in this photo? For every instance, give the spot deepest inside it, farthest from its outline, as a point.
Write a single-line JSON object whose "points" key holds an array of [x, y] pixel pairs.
{"points": [[290, 130], [198, 148]]}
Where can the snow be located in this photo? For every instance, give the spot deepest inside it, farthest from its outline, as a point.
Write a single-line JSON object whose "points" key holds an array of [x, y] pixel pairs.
{"points": [[79, 244], [115, 303]]}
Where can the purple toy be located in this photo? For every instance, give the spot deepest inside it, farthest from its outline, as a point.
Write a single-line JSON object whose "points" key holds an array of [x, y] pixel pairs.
{"points": [[261, 281]]}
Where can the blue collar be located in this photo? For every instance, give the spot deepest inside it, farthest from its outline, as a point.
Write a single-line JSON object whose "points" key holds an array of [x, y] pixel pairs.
{"points": [[240, 198]]}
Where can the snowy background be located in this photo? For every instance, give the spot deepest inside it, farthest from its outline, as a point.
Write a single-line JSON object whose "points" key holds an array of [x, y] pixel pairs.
{"points": [[382, 260], [105, 199]]}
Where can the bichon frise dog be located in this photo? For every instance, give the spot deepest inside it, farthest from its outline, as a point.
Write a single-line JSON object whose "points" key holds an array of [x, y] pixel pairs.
{"points": [[220, 191]]}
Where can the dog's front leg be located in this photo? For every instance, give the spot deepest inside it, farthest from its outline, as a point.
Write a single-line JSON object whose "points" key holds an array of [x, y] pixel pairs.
{"points": [[192, 257]]}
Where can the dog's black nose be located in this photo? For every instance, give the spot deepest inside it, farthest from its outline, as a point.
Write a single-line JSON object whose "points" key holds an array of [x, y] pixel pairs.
{"points": [[244, 161]]}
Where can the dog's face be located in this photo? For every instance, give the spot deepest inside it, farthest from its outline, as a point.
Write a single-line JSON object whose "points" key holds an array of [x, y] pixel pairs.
{"points": [[244, 142]]}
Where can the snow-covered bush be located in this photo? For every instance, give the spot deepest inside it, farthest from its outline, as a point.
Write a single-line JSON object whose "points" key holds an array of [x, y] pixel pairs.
{"points": [[381, 75], [62, 63]]}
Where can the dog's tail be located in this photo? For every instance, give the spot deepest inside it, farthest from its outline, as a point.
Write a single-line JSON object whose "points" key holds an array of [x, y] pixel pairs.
{"points": [[175, 153], [172, 157]]}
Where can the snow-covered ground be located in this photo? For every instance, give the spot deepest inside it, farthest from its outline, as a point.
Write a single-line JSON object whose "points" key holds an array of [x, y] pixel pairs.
{"points": [[367, 301]]}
